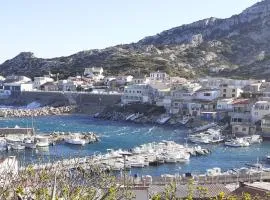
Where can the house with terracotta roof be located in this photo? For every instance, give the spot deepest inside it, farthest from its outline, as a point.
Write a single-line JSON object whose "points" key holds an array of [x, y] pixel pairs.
{"points": [[241, 117]]}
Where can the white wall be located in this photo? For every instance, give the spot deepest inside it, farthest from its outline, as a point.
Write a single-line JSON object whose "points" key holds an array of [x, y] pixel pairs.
{"points": [[259, 110], [224, 104], [27, 87], [207, 95]]}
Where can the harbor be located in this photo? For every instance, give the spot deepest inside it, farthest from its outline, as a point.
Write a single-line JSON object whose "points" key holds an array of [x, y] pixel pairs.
{"points": [[126, 136]]}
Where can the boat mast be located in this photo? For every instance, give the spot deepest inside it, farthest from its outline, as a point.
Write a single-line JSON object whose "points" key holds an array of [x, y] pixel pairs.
{"points": [[33, 129]]}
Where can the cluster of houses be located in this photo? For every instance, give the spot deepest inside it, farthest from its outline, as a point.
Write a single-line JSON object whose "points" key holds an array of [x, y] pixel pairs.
{"points": [[92, 78], [245, 102]]}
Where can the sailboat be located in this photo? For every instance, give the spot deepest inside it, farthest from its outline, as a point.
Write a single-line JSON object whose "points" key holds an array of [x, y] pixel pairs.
{"points": [[29, 142]]}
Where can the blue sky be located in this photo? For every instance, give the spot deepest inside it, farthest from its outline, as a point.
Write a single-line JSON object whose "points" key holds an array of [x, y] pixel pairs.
{"points": [[52, 28]]}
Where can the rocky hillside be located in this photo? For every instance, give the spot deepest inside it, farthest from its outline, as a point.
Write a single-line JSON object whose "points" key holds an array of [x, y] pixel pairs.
{"points": [[238, 46]]}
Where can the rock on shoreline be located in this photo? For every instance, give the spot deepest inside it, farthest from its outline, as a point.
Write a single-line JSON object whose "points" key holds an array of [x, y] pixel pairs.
{"points": [[13, 112]]}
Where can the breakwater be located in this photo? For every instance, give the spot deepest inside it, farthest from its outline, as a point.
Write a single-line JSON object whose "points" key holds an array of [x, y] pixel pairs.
{"points": [[21, 112]]}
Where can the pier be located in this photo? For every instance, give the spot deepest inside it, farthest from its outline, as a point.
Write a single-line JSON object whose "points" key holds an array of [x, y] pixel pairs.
{"points": [[184, 179], [16, 131]]}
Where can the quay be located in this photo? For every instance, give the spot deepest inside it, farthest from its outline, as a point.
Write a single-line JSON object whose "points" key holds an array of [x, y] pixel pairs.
{"points": [[16, 131], [57, 137], [146, 180]]}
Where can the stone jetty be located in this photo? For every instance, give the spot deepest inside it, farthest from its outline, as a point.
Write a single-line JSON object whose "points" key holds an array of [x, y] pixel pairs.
{"points": [[21, 112], [58, 136]]}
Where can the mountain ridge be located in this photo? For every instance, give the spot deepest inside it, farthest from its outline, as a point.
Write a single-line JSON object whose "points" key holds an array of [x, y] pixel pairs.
{"points": [[236, 46]]}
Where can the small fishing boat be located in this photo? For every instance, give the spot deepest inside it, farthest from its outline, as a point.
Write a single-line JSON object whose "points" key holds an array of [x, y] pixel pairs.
{"points": [[238, 142], [254, 139], [207, 137], [163, 119], [17, 146], [185, 120], [42, 141], [75, 139], [204, 127], [29, 143]]}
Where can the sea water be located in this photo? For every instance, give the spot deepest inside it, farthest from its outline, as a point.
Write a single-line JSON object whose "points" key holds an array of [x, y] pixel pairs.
{"points": [[125, 135]]}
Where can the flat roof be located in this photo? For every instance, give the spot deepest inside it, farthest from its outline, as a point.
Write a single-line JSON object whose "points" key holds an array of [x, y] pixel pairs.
{"points": [[241, 101]]}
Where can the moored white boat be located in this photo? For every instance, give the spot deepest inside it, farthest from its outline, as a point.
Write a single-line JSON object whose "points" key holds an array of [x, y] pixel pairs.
{"points": [[163, 119], [17, 146], [253, 139], [29, 143], [42, 141], [204, 127], [238, 142], [207, 137], [185, 120], [75, 139]]}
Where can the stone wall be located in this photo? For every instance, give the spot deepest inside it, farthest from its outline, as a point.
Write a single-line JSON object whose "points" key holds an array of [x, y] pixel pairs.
{"points": [[86, 102]]}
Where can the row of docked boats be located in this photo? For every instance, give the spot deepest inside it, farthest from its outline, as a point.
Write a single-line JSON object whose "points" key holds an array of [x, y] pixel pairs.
{"points": [[214, 135], [148, 154], [19, 143], [133, 116], [209, 136]]}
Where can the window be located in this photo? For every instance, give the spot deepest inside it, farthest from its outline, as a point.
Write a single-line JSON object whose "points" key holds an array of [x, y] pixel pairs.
{"points": [[224, 95], [233, 95], [244, 129], [224, 90], [233, 90], [207, 94]]}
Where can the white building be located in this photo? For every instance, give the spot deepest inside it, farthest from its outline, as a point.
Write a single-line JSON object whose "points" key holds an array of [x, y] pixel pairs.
{"points": [[159, 76], [230, 91], [215, 82], [18, 87], [38, 81], [225, 104], [185, 92], [140, 93], [207, 94], [259, 110], [95, 73], [66, 85], [122, 80], [2, 78], [140, 80], [266, 94], [18, 79]]}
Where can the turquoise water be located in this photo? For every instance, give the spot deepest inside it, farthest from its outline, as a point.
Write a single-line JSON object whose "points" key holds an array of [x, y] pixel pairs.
{"points": [[128, 135]]}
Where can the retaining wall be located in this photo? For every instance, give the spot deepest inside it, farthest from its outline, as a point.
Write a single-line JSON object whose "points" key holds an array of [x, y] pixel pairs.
{"points": [[86, 102]]}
